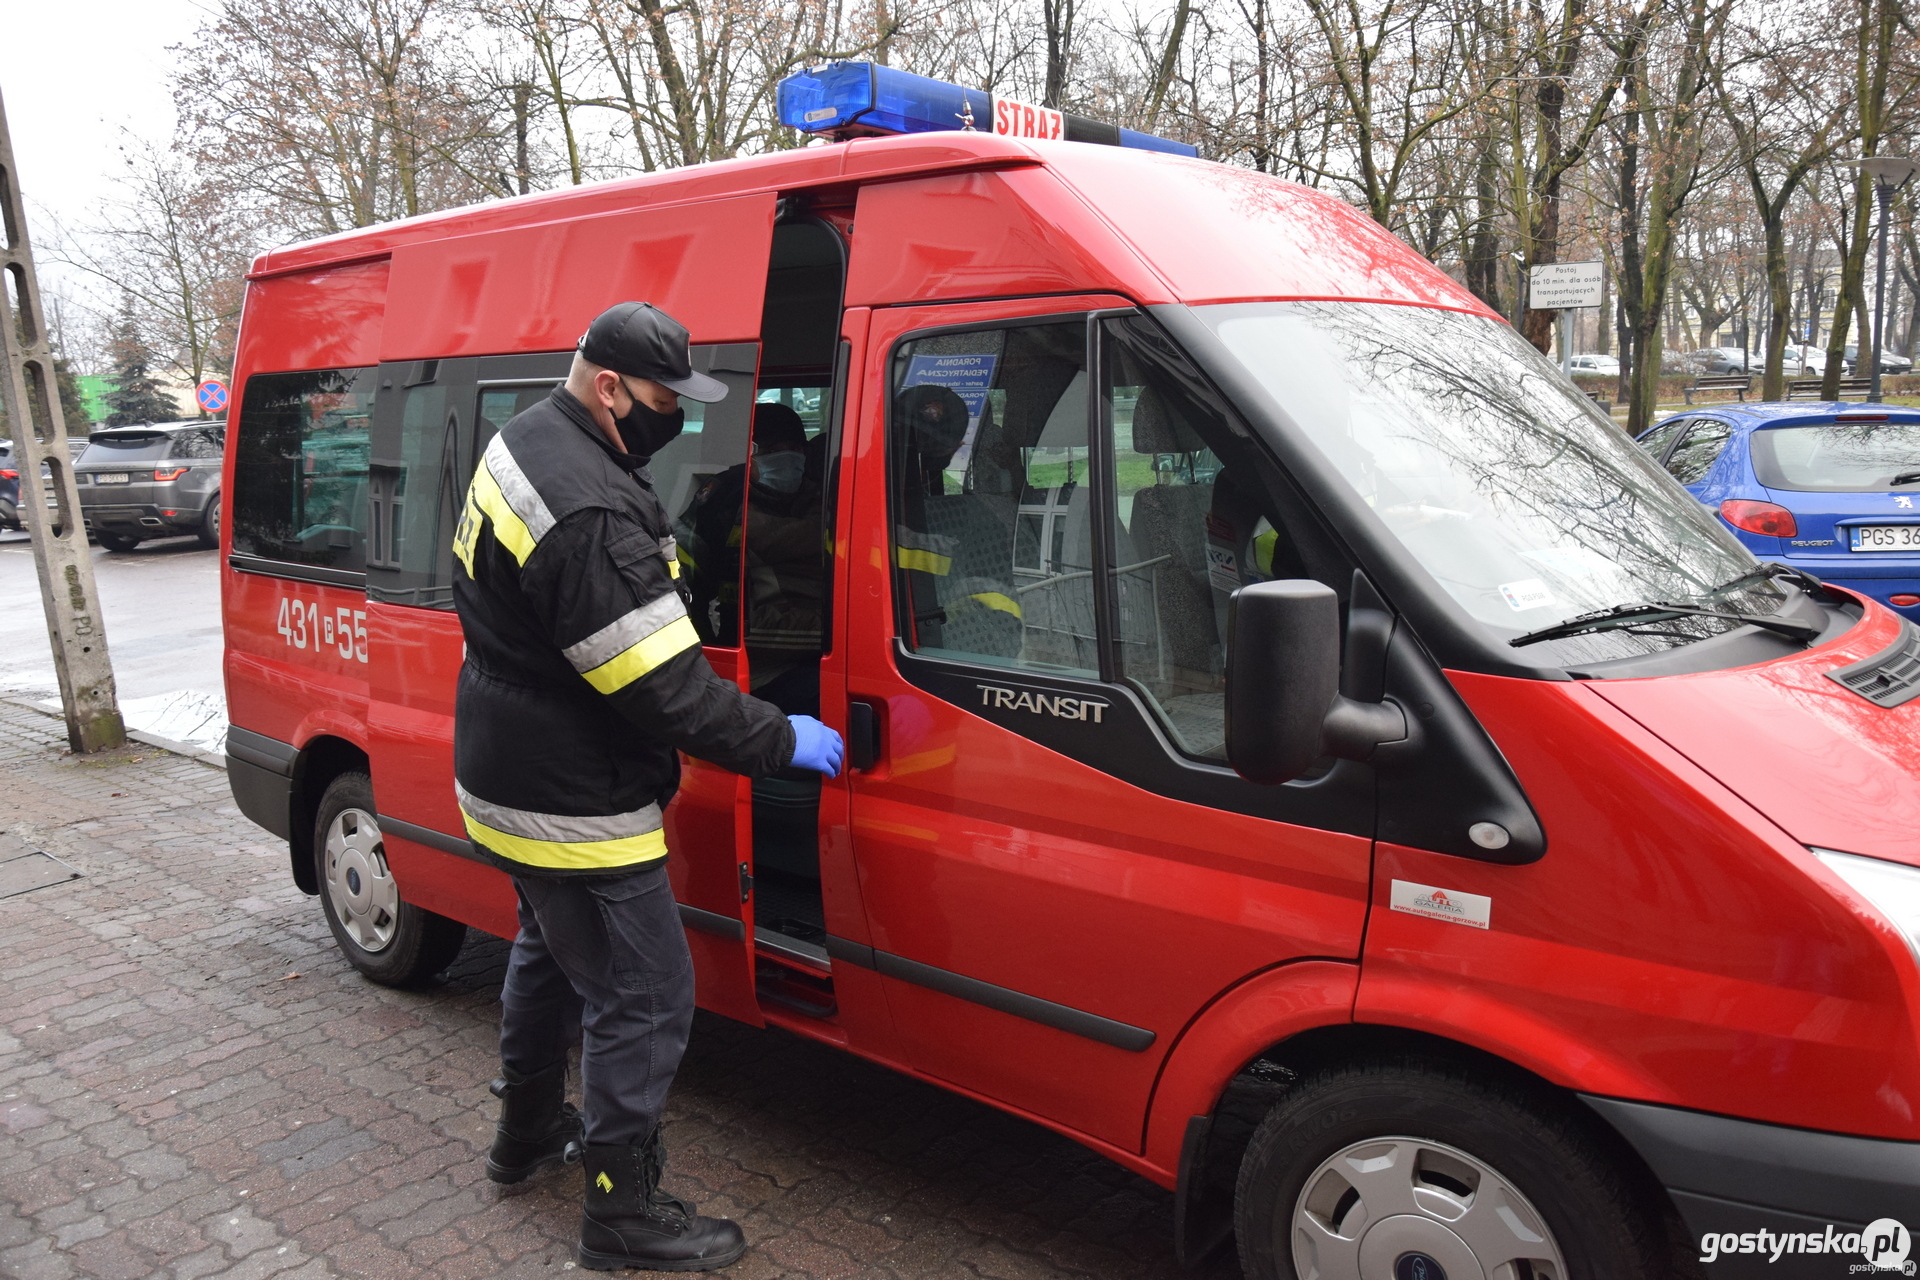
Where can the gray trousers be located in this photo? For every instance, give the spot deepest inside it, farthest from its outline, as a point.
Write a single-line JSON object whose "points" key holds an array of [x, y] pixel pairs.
{"points": [[606, 954]]}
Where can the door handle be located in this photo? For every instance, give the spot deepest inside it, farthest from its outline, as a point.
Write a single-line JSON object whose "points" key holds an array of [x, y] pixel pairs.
{"points": [[863, 735]]}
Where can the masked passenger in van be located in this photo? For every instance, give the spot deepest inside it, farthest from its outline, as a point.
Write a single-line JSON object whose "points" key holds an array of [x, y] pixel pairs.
{"points": [[779, 490], [955, 544]]}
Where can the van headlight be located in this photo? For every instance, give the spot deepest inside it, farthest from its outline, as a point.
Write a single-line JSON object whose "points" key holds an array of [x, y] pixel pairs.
{"points": [[1893, 888]]}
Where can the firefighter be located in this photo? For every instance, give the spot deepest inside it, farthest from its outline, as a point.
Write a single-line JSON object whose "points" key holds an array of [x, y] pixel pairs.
{"points": [[583, 676]]}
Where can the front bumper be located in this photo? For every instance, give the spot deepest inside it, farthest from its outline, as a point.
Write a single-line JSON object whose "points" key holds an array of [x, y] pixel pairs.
{"points": [[1745, 1178]]}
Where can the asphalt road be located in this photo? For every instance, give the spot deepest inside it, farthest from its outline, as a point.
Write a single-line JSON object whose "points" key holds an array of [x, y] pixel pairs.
{"points": [[162, 604]]}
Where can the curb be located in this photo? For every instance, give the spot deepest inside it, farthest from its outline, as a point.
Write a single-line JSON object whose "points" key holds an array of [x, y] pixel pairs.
{"points": [[213, 759]]}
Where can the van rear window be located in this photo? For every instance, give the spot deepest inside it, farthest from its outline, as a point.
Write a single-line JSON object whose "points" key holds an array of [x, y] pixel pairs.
{"points": [[1837, 457], [300, 468]]}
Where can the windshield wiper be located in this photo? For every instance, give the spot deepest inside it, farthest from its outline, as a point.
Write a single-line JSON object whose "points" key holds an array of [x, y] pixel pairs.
{"points": [[1626, 615], [1905, 477]]}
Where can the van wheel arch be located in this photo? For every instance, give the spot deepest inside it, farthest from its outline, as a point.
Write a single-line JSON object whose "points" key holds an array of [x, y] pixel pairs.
{"points": [[1215, 1144], [320, 761]]}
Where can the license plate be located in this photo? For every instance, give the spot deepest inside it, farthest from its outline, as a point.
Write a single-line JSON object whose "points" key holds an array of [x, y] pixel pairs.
{"points": [[111, 477], [1884, 537]]}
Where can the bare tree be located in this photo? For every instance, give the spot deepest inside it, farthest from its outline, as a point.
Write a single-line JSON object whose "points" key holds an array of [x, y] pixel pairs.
{"points": [[337, 113], [175, 249]]}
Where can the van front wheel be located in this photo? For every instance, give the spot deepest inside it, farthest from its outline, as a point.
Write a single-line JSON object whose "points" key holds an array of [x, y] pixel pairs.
{"points": [[1414, 1168], [385, 937]]}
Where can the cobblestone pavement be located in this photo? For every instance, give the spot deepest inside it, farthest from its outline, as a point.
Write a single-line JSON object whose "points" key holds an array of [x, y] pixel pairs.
{"points": [[194, 1083]]}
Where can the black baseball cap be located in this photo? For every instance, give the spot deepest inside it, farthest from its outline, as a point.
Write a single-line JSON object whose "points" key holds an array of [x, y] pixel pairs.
{"points": [[642, 341]]}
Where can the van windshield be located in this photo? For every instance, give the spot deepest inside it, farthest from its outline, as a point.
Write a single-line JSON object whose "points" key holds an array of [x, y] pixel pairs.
{"points": [[1509, 486]]}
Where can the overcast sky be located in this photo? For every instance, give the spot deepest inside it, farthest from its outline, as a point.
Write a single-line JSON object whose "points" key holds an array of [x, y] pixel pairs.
{"points": [[76, 73]]}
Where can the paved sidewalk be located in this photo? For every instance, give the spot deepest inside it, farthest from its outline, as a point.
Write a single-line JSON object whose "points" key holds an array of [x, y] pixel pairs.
{"points": [[193, 1083]]}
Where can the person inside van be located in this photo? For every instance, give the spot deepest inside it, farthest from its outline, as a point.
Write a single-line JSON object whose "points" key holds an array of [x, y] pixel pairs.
{"points": [[785, 560], [954, 541]]}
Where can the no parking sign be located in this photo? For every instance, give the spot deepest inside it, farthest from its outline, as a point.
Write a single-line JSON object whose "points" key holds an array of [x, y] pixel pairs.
{"points": [[212, 395]]}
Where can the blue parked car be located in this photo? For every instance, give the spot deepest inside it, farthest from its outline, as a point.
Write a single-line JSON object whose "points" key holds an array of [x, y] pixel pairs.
{"points": [[1830, 488]]}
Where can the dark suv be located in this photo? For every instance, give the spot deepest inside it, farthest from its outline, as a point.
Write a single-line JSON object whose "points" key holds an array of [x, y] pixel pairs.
{"points": [[152, 482]]}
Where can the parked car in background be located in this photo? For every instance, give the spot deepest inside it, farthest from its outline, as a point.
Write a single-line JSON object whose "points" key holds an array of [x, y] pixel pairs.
{"points": [[1725, 360], [1595, 363], [1833, 489], [1803, 360], [1890, 362], [153, 481]]}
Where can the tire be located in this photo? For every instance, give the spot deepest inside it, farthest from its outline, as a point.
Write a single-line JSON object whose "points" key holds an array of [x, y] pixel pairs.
{"points": [[1359, 1170], [118, 541], [391, 941], [209, 532]]}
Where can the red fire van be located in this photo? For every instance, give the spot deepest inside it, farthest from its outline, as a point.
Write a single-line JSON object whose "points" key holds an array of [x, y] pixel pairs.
{"points": [[1299, 748]]}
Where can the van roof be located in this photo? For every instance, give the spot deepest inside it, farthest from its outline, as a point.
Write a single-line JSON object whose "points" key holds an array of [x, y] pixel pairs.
{"points": [[861, 160], [1209, 232]]}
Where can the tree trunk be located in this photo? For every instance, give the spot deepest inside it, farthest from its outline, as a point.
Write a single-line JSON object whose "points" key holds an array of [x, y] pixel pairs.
{"points": [[1057, 16], [1853, 266], [1773, 382]]}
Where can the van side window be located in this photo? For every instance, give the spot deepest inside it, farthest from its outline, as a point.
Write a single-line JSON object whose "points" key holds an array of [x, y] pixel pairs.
{"points": [[1190, 528], [300, 468], [993, 528], [415, 498], [1694, 456]]}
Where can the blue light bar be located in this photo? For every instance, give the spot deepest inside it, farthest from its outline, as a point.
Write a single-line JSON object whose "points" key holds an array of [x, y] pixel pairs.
{"points": [[850, 99], [878, 99]]}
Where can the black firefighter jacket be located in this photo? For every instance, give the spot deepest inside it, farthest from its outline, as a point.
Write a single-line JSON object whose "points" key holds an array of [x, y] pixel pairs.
{"points": [[583, 672]]}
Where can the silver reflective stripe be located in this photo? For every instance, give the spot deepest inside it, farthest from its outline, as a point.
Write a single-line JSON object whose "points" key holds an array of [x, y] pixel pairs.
{"points": [[912, 539], [558, 828], [624, 632], [669, 548], [517, 489]]}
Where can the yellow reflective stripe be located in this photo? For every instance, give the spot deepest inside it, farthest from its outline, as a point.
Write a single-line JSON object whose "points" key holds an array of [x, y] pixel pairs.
{"points": [[589, 855], [924, 561], [509, 530], [636, 660], [673, 568], [466, 531], [994, 600], [1263, 546]]}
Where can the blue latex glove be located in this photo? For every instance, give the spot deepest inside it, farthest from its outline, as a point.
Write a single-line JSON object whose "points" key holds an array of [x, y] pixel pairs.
{"points": [[815, 746]]}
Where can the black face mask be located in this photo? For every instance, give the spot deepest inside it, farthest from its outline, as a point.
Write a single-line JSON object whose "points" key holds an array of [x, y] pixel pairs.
{"points": [[645, 431]]}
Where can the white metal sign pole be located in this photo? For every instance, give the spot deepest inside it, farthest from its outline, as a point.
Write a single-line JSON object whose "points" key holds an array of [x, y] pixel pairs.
{"points": [[74, 623]]}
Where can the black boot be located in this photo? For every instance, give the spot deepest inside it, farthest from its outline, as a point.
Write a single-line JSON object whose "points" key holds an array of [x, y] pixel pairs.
{"points": [[630, 1222], [538, 1126]]}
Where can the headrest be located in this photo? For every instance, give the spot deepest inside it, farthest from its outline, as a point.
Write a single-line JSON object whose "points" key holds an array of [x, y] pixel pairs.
{"points": [[1157, 429]]}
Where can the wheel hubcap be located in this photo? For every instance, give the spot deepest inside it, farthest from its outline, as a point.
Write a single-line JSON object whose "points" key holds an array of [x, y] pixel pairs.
{"points": [[1403, 1208], [364, 897]]}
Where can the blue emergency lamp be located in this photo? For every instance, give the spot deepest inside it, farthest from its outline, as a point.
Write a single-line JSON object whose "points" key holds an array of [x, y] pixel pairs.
{"points": [[852, 99]]}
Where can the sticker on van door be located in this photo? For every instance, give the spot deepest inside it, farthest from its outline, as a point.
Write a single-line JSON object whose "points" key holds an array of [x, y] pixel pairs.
{"points": [[1450, 905]]}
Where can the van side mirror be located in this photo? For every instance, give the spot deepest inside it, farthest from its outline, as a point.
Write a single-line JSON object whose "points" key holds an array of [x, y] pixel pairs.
{"points": [[1284, 709]]}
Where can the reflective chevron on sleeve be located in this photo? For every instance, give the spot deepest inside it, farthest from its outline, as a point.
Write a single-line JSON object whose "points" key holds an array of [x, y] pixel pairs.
{"points": [[508, 499], [634, 643]]}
